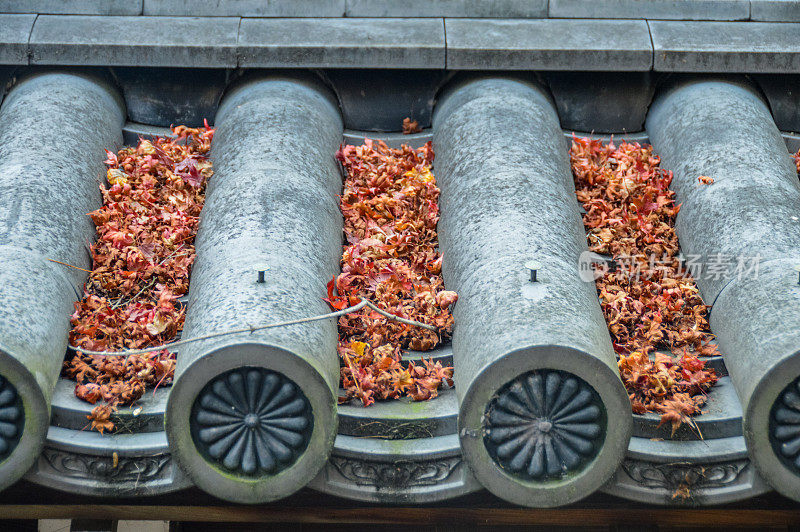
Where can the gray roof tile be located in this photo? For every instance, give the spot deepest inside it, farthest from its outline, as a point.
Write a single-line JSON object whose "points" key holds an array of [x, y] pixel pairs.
{"points": [[72, 7], [14, 33], [548, 44], [134, 41], [246, 8], [342, 43], [447, 8], [775, 10], [726, 46], [652, 9]]}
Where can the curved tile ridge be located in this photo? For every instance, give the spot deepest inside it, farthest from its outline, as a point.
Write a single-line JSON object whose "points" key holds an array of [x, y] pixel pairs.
{"points": [[745, 230], [271, 205], [723, 129], [508, 198], [53, 129]]}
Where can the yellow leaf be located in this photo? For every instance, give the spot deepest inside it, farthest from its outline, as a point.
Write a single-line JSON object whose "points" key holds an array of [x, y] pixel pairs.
{"points": [[158, 325], [116, 176], [358, 347]]}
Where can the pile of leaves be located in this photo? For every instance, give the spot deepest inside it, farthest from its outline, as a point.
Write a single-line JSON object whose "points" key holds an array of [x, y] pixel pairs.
{"points": [[141, 263], [390, 208], [650, 301]]}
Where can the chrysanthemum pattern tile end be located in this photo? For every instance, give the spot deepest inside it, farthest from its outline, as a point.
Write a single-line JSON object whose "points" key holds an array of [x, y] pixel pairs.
{"points": [[12, 418], [252, 421], [544, 425], [784, 426]]}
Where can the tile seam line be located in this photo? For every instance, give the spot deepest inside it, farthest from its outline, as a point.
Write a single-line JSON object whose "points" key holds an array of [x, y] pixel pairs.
{"points": [[444, 32], [652, 46], [28, 49], [237, 54]]}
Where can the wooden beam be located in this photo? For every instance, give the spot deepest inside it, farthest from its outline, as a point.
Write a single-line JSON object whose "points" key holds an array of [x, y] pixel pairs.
{"points": [[412, 516]]}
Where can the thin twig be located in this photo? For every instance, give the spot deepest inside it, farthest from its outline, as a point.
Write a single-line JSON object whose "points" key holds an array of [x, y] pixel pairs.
{"points": [[145, 287], [170, 255], [129, 352], [70, 265], [382, 312], [349, 310]]}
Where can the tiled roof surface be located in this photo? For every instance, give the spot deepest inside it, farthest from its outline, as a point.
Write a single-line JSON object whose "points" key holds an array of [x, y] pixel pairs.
{"points": [[762, 10], [632, 41]]}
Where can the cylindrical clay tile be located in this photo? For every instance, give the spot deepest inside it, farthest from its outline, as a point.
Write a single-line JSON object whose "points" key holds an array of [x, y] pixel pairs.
{"points": [[53, 130], [252, 417], [724, 130], [544, 419]]}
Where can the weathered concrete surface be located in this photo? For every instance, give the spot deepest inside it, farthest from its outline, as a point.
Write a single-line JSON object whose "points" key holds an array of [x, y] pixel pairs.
{"points": [[620, 45], [775, 10], [652, 9], [342, 43], [208, 42], [724, 130], [137, 464], [602, 102], [53, 129], [72, 7], [448, 8], [245, 8], [718, 472], [757, 47], [508, 197], [783, 93], [416, 471], [14, 33], [272, 201], [758, 330], [172, 96]]}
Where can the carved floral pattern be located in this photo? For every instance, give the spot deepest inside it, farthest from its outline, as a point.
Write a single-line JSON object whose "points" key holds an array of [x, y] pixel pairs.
{"points": [[678, 475], [139, 469], [396, 475]]}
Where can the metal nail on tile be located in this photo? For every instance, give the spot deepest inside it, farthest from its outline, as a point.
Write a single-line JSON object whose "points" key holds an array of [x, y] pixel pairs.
{"points": [[534, 267], [261, 269]]}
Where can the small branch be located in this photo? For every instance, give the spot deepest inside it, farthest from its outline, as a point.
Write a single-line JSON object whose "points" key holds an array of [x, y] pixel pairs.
{"points": [[118, 303], [129, 352], [251, 329], [70, 265], [382, 312]]}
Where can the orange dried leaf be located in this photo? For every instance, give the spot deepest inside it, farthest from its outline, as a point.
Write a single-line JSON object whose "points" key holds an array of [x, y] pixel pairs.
{"points": [[410, 126], [100, 418]]}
